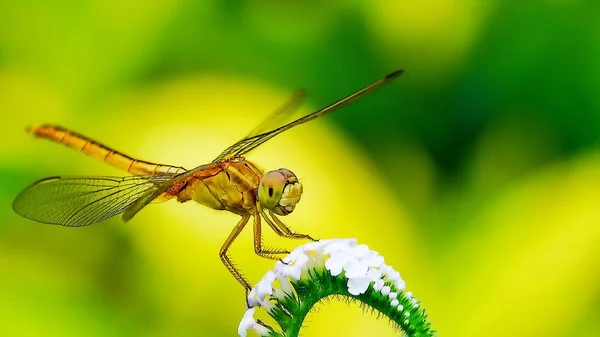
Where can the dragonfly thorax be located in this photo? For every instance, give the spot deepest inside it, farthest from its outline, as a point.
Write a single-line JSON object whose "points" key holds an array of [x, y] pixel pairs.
{"points": [[279, 191]]}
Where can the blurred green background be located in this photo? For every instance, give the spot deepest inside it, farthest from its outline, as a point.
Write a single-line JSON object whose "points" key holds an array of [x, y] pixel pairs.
{"points": [[476, 174]]}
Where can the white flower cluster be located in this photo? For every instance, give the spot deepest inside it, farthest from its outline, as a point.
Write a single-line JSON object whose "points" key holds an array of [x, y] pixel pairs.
{"points": [[361, 266]]}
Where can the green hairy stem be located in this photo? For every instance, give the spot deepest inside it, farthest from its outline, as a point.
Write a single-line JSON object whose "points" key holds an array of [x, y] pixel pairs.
{"points": [[332, 269]]}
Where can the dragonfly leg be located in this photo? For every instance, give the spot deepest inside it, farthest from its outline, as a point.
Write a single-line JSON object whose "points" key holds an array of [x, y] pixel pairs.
{"points": [[273, 225], [258, 248], [226, 260], [285, 230]]}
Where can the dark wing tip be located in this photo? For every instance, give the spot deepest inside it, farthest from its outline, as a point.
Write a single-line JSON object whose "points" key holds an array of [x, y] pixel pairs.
{"points": [[16, 206], [394, 74]]}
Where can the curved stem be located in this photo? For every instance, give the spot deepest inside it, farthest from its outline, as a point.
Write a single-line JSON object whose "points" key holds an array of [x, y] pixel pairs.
{"points": [[412, 322], [327, 268]]}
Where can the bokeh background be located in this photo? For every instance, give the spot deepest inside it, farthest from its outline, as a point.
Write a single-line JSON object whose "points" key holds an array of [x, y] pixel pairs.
{"points": [[476, 174]]}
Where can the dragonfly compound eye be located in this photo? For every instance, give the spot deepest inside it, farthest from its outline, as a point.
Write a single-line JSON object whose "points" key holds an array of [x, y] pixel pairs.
{"points": [[279, 191]]}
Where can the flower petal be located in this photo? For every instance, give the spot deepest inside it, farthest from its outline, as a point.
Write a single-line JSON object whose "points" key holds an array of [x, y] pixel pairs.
{"points": [[355, 269], [247, 322], [337, 262], [358, 285]]}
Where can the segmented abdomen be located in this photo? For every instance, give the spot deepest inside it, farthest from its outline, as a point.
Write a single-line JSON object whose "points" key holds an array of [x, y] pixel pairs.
{"points": [[90, 147]]}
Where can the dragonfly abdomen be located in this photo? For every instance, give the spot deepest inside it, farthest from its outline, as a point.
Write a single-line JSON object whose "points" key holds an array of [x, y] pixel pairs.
{"points": [[90, 147]]}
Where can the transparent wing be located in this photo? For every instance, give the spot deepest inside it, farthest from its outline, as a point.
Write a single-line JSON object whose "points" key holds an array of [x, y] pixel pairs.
{"points": [[249, 143], [82, 201], [273, 121], [161, 189], [282, 114]]}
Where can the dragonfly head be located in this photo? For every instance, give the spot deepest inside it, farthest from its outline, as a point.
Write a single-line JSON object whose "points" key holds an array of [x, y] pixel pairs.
{"points": [[279, 191]]}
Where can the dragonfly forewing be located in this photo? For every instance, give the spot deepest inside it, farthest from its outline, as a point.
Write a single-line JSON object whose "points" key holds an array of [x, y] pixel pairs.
{"points": [[252, 141], [273, 121]]}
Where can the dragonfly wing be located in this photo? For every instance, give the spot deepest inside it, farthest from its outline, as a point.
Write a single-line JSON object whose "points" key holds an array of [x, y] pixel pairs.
{"points": [[281, 115], [274, 120], [141, 202], [82, 201], [249, 143], [160, 190]]}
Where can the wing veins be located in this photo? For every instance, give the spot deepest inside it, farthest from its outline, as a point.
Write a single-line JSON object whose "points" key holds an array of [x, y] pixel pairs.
{"points": [[79, 201], [78, 211], [249, 143]]}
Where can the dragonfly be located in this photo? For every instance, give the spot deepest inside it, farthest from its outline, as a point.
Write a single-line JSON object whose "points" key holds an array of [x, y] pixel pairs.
{"points": [[229, 183]]}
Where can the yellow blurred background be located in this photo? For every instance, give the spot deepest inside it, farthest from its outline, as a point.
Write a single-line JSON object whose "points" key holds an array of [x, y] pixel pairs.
{"points": [[476, 174]]}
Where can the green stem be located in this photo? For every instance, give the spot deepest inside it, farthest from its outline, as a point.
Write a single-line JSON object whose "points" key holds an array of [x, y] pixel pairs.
{"points": [[412, 320], [338, 268]]}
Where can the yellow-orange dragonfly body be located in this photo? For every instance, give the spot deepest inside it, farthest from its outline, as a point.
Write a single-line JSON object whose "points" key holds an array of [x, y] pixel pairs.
{"points": [[230, 182]]}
